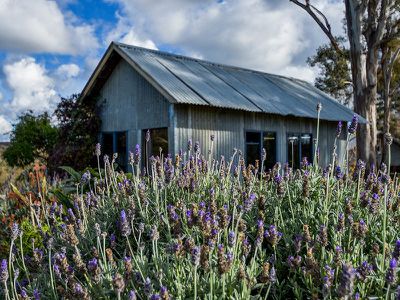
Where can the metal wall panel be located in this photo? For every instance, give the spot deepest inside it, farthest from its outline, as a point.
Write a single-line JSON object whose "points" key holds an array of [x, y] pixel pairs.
{"points": [[229, 127], [131, 104]]}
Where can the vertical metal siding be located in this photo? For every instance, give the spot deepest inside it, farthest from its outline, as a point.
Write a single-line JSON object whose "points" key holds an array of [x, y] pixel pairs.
{"points": [[131, 103], [229, 128]]}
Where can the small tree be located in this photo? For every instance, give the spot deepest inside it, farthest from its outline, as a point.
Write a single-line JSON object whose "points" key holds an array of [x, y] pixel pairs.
{"points": [[79, 125], [33, 137], [335, 75]]}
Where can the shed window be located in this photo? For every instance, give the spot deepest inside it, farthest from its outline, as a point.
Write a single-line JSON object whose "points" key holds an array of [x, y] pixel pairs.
{"points": [[116, 142], [299, 146], [255, 142], [158, 140]]}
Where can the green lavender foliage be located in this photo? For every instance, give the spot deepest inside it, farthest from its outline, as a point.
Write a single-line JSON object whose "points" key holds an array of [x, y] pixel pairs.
{"points": [[200, 228]]}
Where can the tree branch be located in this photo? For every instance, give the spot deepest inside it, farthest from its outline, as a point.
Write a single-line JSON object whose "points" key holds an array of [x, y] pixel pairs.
{"points": [[382, 22], [317, 15]]}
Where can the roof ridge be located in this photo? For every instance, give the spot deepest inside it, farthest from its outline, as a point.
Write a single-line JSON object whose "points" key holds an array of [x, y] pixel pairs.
{"points": [[212, 63]]}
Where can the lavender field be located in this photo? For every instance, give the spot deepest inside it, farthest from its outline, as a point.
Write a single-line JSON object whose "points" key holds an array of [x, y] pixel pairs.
{"points": [[201, 228]]}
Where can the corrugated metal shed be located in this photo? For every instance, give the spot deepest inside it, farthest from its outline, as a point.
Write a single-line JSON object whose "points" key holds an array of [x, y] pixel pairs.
{"points": [[192, 81]]}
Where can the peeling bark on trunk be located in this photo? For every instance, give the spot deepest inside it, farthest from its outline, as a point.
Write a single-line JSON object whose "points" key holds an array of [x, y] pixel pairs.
{"points": [[364, 83]]}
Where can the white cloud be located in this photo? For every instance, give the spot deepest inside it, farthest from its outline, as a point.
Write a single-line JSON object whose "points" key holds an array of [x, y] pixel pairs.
{"points": [[5, 127], [30, 85], [40, 26], [69, 79], [124, 33], [274, 36], [68, 71]]}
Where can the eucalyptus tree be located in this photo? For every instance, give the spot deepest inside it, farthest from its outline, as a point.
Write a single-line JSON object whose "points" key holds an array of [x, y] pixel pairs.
{"points": [[369, 25]]}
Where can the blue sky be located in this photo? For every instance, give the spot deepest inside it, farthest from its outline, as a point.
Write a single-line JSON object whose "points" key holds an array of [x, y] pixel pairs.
{"points": [[48, 49]]}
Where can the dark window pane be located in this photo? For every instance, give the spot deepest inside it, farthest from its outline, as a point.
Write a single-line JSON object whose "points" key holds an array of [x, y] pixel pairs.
{"points": [[269, 144], [107, 141], [306, 147], [158, 139], [121, 149], [252, 137], [253, 147], [293, 151]]}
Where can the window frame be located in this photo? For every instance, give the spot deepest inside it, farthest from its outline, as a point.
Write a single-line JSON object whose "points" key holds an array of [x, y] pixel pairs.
{"points": [[300, 145], [261, 133]]}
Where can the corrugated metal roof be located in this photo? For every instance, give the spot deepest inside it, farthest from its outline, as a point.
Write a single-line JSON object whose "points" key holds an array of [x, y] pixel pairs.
{"points": [[194, 81]]}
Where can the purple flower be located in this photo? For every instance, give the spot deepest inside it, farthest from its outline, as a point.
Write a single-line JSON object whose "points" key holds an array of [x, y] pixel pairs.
{"points": [[353, 125], [85, 177], [124, 225], [15, 232], [148, 287], [36, 294], [136, 155], [57, 271], [272, 235], [364, 271], [248, 203], [278, 179], [231, 238], [189, 145], [339, 129], [92, 264], [195, 255], [338, 173], [3, 271], [391, 272], [212, 137], [328, 278], [346, 285], [132, 295]]}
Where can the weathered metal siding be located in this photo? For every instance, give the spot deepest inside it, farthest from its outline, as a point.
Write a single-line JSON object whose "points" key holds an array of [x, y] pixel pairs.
{"points": [[131, 104], [229, 127]]}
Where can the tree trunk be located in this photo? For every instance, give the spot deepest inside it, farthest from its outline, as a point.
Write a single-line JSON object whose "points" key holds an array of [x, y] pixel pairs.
{"points": [[364, 75]]}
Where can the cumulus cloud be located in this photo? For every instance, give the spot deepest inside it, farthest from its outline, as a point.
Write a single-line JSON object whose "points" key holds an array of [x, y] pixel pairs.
{"points": [[5, 127], [69, 79], [124, 33], [274, 36], [40, 26], [30, 85], [68, 70]]}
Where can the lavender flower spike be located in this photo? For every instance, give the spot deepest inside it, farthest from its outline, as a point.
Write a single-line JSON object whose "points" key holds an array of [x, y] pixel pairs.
{"points": [[98, 150], [353, 125], [346, 285], [339, 129], [124, 224], [3, 271], [391, 272]]}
